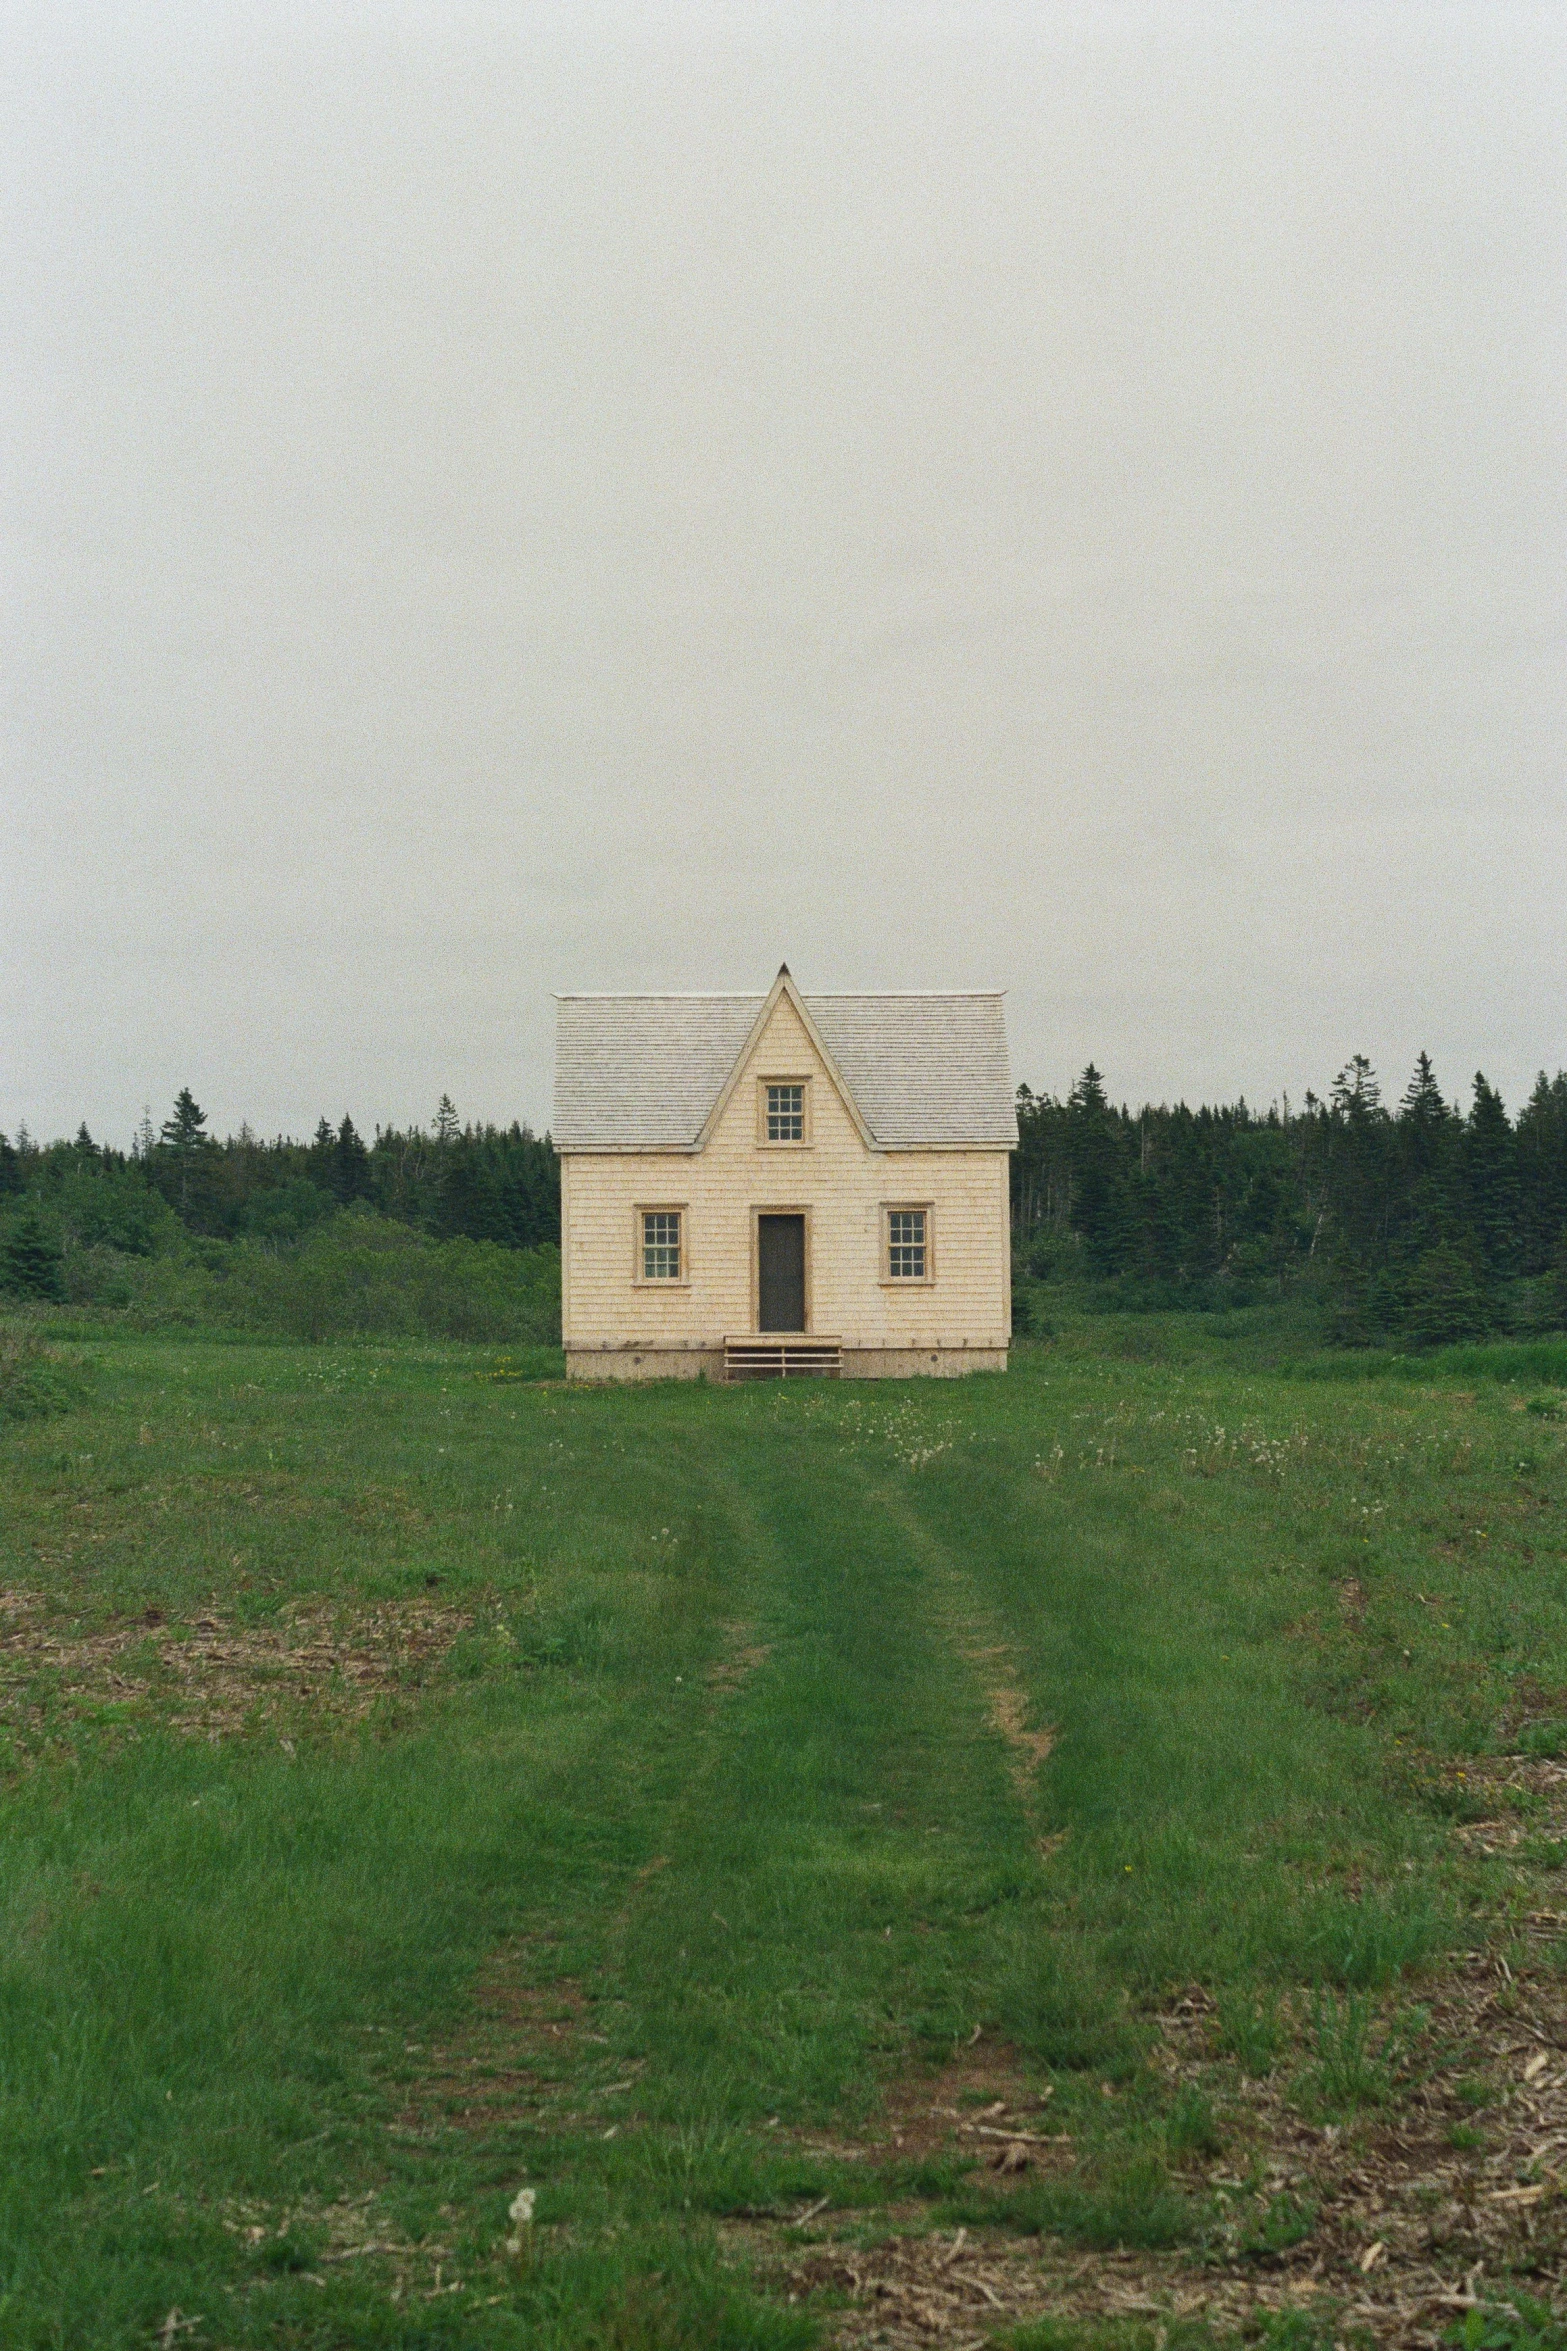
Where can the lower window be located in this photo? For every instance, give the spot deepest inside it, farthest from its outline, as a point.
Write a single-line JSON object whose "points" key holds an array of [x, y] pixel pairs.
{"points": [[662, 1245], [908, 1245]]}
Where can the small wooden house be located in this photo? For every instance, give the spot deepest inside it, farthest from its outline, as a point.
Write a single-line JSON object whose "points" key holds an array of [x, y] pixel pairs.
{"points": [[756, 1185]]}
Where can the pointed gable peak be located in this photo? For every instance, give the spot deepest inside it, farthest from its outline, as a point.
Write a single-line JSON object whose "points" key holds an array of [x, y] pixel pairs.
{"points": [[783, 986]]}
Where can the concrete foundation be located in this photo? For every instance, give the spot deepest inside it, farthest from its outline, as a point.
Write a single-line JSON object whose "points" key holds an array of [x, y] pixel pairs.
{"points": [[644, 1363], [633, 1362], [913, 1363]]}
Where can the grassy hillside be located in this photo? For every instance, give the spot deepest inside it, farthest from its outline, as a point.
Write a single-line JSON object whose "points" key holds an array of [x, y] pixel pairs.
{"points": [[1109, 1811]]}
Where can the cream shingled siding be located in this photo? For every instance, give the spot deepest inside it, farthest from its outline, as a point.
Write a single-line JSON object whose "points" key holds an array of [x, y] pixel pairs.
{"points": [[842, 1184]]}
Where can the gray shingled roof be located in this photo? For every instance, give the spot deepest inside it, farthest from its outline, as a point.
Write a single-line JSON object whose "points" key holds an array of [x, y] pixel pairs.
{"points": [[641, 1073]]}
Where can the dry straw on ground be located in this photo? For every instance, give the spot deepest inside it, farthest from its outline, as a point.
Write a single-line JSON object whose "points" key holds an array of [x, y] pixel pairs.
{"points": [[211, 1678], [1408, 2230]]}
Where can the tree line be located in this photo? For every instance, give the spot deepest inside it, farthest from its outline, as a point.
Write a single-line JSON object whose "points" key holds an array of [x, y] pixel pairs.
{"points": [[1421, 1221], [451, 1181]]}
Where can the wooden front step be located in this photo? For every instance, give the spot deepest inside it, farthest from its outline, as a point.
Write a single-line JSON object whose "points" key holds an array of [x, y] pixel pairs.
{"points": [[782, 1358]]}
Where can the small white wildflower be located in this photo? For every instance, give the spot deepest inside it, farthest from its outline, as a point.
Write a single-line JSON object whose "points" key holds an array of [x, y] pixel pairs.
{"points": [[520, 2210]]}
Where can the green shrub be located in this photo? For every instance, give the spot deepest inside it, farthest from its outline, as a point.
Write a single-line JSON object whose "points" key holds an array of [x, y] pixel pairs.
{"points": [[30, 1259], [34, 1380], [362, 1275], [355, 1275], [288, 1212], [1445, 1300], [1288, 2220], [108, 1208]]}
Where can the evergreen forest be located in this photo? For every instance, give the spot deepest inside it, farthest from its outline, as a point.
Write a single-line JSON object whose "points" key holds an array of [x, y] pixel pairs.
{"points": [[1417, 1223], [1410, 1223], [450, 1232]]}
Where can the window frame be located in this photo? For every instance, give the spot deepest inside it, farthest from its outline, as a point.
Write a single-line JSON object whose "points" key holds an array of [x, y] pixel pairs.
{"points": [[804, 1140], [908, 1281], [641, 1280]]}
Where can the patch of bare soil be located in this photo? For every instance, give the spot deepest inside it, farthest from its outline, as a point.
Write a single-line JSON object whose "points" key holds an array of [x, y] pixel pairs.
{"points": [[1529, 1797], [328, 2235], [1448, 2195], [952, 2290], [527, 2049], [981, 2103], [1008, 1707], [211, 1679], [1007, 1703]]}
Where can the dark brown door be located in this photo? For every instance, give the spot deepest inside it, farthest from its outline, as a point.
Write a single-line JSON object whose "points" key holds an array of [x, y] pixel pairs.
{"points": [[780, 1273]]}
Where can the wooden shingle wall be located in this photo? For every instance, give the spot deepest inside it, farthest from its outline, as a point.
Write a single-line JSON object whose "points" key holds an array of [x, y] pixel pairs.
{"points": [[615, 1327]]}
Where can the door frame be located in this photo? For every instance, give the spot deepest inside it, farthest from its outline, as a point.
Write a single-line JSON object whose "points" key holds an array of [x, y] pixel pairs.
{"points": [[777, 1208]]}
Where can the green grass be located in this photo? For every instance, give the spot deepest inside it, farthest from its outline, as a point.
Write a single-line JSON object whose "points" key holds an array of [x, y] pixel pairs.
{"points": [[1532, 1361], [696, 1760]]}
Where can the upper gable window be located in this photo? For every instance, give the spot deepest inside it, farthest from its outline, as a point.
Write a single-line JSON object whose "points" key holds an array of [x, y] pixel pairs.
{"points": [[783, 1110], [786, 1114]]}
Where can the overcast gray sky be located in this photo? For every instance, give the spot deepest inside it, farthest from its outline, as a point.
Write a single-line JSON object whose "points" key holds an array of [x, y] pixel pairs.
{"points": [[497, 500]]}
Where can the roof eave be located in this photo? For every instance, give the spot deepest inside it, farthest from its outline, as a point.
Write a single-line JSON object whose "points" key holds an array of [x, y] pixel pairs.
{"points": [[695, 1150]]}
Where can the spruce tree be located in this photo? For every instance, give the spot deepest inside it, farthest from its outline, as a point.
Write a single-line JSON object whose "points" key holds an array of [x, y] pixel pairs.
{"points": [[1556, 1284], [186, 1130], [1542, 1170], [447, 1124], [350, 1165], [1361, 1185], [1430, 1134], [186, 1144], [321, 1157], [1356, 1093], [30, 1261], [1490, 1164], [1098, 1203], [1423, 1113], [1445, 1298]]}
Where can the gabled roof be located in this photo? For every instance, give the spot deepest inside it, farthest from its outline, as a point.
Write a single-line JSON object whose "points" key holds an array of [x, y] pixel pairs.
{"points": [[650, 1073]]}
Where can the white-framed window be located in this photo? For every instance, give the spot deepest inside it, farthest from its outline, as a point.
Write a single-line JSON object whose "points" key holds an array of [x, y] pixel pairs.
{"points": [[783, 1110], [907, 1249], [662, 1249]]}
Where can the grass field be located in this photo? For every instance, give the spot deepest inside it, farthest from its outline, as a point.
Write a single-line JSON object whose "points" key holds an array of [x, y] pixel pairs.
{"points": [[1071, 1857]]}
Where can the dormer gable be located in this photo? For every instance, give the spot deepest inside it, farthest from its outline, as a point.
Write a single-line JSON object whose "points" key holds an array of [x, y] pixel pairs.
{"points": [[747, 1061]]}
